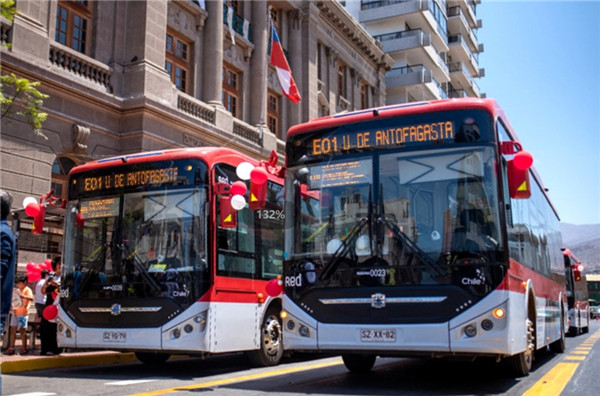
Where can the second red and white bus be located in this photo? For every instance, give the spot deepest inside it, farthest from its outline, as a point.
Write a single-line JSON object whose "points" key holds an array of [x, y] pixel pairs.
{"points": [[419, 230], [577, 295], [156, 259]]}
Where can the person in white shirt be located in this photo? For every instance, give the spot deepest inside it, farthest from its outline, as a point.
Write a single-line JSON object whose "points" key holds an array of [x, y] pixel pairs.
{"points": [[40, 298]]}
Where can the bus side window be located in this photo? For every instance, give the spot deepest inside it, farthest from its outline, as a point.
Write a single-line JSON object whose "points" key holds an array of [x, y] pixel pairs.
{"points": [[236, 247], [270, 232]]}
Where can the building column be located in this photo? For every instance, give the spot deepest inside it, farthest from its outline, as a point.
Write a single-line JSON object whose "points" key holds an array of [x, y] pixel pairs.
{"points": [[258, 64], [297, 52], [213, 53]]}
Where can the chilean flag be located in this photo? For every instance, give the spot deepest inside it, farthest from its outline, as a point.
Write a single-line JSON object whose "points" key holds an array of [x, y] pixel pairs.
{"points": [[283, 69]]}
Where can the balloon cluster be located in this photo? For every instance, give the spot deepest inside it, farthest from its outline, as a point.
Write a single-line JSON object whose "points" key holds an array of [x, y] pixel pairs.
{"points": [[245, 171], [34, 271]]}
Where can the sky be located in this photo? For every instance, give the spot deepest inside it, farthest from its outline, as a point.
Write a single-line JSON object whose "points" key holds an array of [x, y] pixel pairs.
{"points": [[542, 65]]}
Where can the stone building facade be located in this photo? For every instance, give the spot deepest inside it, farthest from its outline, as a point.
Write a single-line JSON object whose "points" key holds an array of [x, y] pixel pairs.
{"points": [[131, 76]]}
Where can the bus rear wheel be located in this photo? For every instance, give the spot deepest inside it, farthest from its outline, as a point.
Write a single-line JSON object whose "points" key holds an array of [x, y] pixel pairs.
{"points": [[359, 363], [151, 358], [271, 341]]}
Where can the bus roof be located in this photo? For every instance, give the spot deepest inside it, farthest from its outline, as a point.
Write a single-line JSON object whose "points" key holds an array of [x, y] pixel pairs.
{"points": [[398, 110], [209, 154]]}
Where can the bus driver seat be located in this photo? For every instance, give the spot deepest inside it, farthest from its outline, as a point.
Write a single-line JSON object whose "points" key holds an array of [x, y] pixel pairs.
{"points": [[470, 232]]}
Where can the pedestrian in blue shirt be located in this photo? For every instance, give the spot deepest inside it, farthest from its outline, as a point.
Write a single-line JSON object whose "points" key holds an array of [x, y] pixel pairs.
{"points": [[8, 255]]}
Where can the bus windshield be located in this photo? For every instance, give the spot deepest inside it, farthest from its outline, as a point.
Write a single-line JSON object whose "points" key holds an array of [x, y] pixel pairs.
{"points": [[138, 245], [391, 218]]}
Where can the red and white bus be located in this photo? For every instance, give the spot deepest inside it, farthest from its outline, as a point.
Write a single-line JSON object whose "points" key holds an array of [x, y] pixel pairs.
{"points": [[157, 260], [577, 295], [419, 229]]}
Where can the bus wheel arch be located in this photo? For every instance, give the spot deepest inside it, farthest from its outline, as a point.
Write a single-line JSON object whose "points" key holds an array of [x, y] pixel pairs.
{"points": [[270, 350], [521, 363]]}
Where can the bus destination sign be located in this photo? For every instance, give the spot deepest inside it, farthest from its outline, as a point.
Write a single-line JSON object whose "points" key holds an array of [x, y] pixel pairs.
{"points": [[105, 207], [127, 179], [382, 138]]}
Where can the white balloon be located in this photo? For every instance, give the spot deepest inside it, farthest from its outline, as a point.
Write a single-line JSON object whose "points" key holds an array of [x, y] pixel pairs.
{"points": [[29, 200], [243, 170], [238, 202]]}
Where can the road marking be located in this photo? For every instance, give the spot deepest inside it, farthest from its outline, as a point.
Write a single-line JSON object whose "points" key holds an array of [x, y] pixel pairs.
{"points": [[559, 376], [576, 352], [575, 358], [129, 382], [251, 377], [554, 381]]}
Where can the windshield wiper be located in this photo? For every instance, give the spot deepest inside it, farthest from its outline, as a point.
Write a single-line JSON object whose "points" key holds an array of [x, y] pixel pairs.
{"points": [[344, 248], [96, 264], [413, 247]]}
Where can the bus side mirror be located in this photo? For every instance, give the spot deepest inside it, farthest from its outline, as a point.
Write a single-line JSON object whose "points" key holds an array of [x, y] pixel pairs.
{"points": [[518, 181], [258, 189], [577, 272], [518, 175], [227, 214]]}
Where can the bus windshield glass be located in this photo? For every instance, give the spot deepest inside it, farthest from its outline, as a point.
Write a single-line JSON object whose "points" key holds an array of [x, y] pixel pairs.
{"points": [[148, 241], [396, 217]]}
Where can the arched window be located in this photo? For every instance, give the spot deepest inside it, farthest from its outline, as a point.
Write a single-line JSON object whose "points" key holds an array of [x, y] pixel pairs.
{"points": [[60, 174]]}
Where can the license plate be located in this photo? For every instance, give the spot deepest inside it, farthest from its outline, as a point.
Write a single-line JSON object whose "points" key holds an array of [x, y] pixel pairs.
{"points": [[114, 336], [372, 335]]}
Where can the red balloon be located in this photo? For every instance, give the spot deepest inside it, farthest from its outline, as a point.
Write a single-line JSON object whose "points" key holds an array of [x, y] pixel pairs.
{"points": [[274, 287], [33, 276], [523, 160], [258, 175], [47, 264], [238, 188], [32, 209], [50, 312], [30, 265]]}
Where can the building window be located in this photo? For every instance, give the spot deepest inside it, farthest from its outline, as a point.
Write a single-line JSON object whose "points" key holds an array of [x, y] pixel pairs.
{"points": [[275, 16], [72, 20], [177, 62], [273, 114], [342, 80], [231, 90], [60, 175], [364, 95]]}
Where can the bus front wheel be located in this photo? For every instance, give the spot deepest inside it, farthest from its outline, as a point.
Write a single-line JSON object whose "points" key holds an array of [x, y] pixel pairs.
{"points": [[359, 363], [271, 341], [521, 363]]}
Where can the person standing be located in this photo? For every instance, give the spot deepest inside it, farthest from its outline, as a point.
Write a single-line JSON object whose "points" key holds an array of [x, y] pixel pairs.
{"points": [[40, 298], [48, 327], [8, 256], [20, 316], [7, 260]]}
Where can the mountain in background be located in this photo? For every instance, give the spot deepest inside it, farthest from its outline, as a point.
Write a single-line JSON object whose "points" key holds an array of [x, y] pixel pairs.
{"points": [[584, 242]]}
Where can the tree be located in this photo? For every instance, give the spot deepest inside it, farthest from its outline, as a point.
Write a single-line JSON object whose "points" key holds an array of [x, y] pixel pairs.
{"points": [[19, 95]]}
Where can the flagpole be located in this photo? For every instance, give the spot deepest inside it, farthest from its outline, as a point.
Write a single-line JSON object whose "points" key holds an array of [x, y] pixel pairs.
{"points": [[266, 78]]}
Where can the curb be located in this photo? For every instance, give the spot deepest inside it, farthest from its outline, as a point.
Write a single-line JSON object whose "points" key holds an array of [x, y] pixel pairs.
{"points": [[47, 362]]}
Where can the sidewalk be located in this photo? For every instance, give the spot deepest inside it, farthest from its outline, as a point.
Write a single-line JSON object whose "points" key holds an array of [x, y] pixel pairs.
{"points": [[70, 358]]}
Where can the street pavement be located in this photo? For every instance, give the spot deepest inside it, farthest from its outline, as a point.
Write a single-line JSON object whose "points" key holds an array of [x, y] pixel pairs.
{"points": [[69, 358]]}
